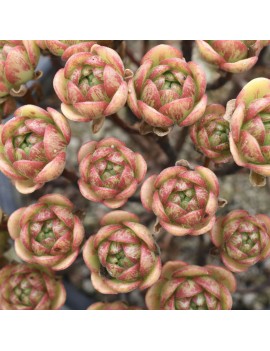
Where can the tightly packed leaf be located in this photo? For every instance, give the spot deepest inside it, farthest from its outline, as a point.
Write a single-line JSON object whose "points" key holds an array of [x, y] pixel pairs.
{"points": [[110, 172], [210, 134], [18, 61], [7, 106], [166, 90], [233, 56], [122, 256], [250, 127], [47, 233], [116, 305], [188, 287], [184, 200], [33, 147], [30, 287], [92, 85], [243, 239]]}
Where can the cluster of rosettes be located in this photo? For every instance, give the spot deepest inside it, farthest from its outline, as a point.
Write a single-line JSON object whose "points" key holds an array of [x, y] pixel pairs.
{"points": [[123, 255]]}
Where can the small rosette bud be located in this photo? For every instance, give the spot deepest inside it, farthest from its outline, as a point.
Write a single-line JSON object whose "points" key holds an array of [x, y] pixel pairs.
{"points": [[250, 127], [30, 287], [63, 47], [92, 85], [188, 287], [47, 233], [18, 61], [184, 200], [242, 239], [110, 172], [122, 256], [167, 90], [210, 134], [233, 56], [33, 147], [116, 305]]}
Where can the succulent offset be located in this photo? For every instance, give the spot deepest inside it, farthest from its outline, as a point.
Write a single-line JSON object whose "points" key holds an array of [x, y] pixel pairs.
{"points": [[122, 256], [18, 62], [33, 147], [59, 47], [92, 85], [184, 200], [47, 233], [67, 48], [189, 287], [233, 56], [166, 90], [250, 127], [242, 239], [116, 305], [210, 134], [30, 287], [110, 172]]}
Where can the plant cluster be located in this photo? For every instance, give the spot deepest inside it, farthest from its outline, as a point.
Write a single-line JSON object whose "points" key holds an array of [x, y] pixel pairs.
{"points": [[166, 91]]}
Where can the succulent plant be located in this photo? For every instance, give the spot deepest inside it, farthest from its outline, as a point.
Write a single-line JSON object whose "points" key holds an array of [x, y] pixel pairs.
{"points": [[110, 172], [166, 90], [188, 287], [184, 200], [18, 62], [122, 255], [92, 85], [62, 47], [116, 305], [67, 48], [250, 129], [7, 106], [30, 287], [233, 56], [47, 233], [242, 239], [210, 134], [33, 147]]}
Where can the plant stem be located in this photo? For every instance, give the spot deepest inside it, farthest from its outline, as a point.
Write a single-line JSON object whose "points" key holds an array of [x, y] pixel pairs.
{"points": [[220, 82], [123, 125], [71, 176], [182, 138], [187, 46], [132, 57], [165, 145]]}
